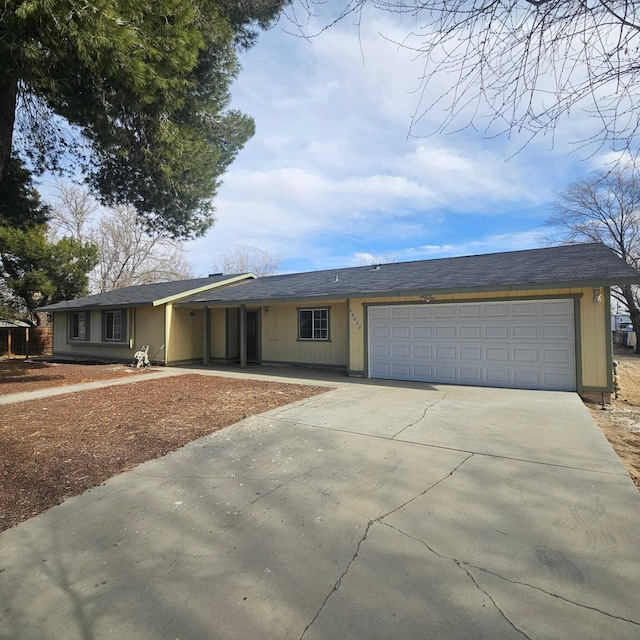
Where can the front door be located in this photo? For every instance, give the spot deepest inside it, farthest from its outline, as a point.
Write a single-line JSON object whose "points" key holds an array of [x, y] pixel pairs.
{"points": [[253, 336]]}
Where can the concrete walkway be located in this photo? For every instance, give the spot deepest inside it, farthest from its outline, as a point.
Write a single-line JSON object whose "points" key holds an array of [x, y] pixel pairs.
{"points": [[372, 511], [48, 392]]}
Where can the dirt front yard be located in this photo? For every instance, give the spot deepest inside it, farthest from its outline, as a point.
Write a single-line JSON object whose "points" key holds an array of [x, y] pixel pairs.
{"points": [[29, 375], [620, 423], [61, 446]]}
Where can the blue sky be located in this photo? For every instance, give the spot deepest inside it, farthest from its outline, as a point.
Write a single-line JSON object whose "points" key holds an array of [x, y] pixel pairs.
{"points": [[331, 175]]}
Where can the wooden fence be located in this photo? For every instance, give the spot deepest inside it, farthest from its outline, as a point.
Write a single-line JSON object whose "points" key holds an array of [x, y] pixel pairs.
{"points": [[26, 341]]}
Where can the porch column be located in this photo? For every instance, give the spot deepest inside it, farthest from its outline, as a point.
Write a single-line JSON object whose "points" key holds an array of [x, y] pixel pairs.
{"points": [[206, 356], [243, 337]]}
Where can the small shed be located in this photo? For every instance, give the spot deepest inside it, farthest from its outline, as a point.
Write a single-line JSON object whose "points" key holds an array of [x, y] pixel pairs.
{"points": [[18, 338]]}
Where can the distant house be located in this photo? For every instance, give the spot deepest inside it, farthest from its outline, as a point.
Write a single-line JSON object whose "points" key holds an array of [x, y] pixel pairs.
{"points": [[538, 319]]}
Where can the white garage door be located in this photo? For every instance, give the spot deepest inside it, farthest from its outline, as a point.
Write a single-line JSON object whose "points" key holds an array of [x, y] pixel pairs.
{"points": [[527, 344]]}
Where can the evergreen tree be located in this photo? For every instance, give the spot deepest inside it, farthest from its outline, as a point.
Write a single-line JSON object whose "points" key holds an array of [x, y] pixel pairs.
{"points": [[147, 86]]}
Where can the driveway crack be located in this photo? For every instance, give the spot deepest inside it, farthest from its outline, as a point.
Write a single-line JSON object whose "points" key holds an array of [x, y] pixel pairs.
{"points": [[486, 593], [552, 594], [462, 564], [435, 484], [379, 519], [337, 584], [421, 418]]}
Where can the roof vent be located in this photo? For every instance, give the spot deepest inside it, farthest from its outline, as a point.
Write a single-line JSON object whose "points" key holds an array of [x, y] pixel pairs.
{"points": [[337, 279], [213, 275], [375, 267]]}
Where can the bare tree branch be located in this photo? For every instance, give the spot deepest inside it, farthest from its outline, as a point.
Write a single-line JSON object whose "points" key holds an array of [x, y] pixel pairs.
{"points": [[518, 66], [247, 259], [604, 207], [128, 253]]}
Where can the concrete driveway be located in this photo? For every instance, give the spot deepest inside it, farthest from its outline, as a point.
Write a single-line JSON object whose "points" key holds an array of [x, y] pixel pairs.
{"points": [[374, 511]]}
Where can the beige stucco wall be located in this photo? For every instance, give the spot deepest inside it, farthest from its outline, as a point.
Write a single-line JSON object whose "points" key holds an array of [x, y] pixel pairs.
{"points": [[185, 334], [145, 326], [279, 336], [232, 334], [148, 328], [593, 335], [218, 333]]}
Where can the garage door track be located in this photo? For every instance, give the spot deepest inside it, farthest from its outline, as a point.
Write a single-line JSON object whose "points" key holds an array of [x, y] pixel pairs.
{"points": [[372, 511]]}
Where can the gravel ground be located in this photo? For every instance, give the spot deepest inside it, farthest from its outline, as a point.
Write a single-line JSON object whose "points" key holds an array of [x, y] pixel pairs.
{"points": [[620, 422]]}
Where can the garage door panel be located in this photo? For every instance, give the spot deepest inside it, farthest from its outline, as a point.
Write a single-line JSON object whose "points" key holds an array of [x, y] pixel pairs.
{"points": [[525, 332], [422, 311], [470, 375], [379, 313], [555, 332], [557, 380], [380, 332], [443, 372], [496, 354], [422, 352], [444, 311], [525, 377], [399, 369], [423, 371], [496, 332], [528, 344], [557, 356], [469, 311], [381, 350], [445, 332], [380, 369], [445, 353], [498, 377], [519, 309], [470, 353], [496, 310], [470, 332], [525, 355], [400, 313], [555, 307]]}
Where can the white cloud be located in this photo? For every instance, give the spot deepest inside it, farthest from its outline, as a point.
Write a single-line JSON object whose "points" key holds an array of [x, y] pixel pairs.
{"points": [[331, 173], [490, 244]]}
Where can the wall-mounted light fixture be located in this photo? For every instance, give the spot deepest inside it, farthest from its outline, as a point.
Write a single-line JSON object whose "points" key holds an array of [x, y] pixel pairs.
{"points": [[427, 298], [597, 295]]}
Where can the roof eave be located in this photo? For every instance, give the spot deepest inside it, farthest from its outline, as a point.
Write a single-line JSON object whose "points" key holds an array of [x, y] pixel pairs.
{"points": [[89, 307]]}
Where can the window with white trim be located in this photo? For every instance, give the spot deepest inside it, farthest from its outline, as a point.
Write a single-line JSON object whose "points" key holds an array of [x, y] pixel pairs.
{"points": [[113, 326], [78, 325], [313, 324]]}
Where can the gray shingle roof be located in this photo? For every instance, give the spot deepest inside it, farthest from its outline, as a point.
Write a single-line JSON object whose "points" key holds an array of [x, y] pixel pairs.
{"points": [[138, 295], [570, 265]]}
